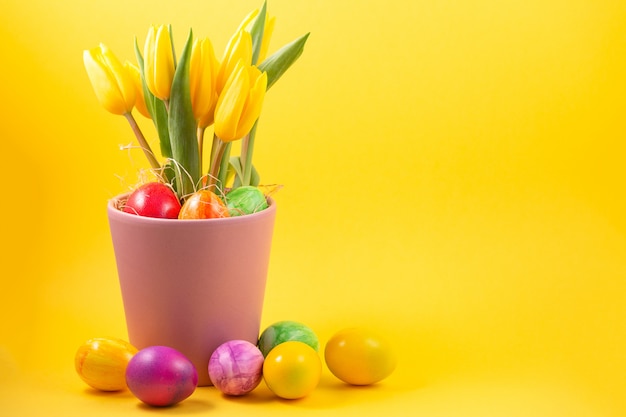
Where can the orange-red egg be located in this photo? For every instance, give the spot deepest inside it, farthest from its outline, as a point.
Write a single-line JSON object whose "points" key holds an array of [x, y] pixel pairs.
{"points": [[203, 204]]}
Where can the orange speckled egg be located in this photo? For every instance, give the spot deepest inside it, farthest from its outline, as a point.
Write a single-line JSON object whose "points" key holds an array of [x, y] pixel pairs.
{"points": [[203, 204]]}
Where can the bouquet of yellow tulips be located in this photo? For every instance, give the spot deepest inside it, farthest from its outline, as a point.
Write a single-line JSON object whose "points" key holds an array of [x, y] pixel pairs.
{"points": [[185, 98]]}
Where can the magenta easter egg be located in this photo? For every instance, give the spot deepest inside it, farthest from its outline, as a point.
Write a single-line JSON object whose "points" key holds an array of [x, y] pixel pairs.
{"points": [[236, 367], [161, 376]]}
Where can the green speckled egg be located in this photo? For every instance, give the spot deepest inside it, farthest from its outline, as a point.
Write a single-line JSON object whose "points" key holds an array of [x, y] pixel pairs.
{"points": [[284, 331], [245, 200]]}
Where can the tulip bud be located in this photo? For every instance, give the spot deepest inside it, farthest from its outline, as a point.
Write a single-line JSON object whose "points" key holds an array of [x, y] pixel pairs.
{"points": [[202, 78], [240, 103], [140, 101], [111, 81], [159, 62], [268, 28], [239, 48]]}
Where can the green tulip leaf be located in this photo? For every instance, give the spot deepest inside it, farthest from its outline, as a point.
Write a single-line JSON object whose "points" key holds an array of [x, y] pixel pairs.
{"points": [[280, 61], [237, 170], [182, 125], [169, 174], [235, 165], [222, 176], [160, 119], [257, 31], [255, 178]]}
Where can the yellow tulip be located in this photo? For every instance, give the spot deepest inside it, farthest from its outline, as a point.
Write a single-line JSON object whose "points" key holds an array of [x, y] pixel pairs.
{"points": [[140, 101], [159, 62], [239, 48], [240, 103], [112, 83], [246, 22], [202, 78], [268, 29]]}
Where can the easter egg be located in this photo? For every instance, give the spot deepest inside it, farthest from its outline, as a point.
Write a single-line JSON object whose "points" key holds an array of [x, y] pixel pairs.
{"points": [[101, 363], [236, 367], [359, 357], [161, 376], [284, 331], [245, 200], [203, 204], [292, 370], [153, 199]]}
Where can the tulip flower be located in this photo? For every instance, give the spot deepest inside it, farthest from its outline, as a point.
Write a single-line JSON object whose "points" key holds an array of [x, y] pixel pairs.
{"points": [[202, 78], [245, 23], [140, 101], [111, 81], [239, 48], [115, 89], [268, 28], [240, 103], [159, 62]]}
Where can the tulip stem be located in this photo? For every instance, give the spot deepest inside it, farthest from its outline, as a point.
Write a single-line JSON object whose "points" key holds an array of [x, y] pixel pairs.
{"points": [[216, 160], [225, 161], [200, 134], [243, 157], [247, 146], [142, 142], [214, 146]]}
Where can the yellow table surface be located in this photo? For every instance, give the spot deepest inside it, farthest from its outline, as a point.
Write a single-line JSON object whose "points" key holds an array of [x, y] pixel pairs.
{"points": [[454, 177]]}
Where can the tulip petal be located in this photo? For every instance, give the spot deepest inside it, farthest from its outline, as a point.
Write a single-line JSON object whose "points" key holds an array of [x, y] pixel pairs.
{"points": [[149, 62], [246, 20], [254, 102], [123, 78], [164, 63], [231, 103], [239, 48], [110, 80], [159, 62], [140, 102], [202, 81]]}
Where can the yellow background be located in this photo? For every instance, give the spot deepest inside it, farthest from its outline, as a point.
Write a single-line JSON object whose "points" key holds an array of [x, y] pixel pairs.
{"points": [[454, 177]]}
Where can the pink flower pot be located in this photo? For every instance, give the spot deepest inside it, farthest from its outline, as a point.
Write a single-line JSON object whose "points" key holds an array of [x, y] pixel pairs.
{"points": [[192, 284]]}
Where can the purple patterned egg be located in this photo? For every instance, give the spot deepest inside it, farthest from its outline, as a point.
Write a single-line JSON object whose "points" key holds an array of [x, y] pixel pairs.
{"points": [[161, 376], [236, 367]]}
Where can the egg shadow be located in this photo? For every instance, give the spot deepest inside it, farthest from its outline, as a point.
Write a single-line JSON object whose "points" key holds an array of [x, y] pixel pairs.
{"points": [[332, 393], [187, 406], [260, 395], [120, 394]]}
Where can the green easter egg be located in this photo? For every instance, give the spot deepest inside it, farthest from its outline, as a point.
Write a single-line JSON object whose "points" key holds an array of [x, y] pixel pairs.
{"points": [[285, 331], [245, 200]]}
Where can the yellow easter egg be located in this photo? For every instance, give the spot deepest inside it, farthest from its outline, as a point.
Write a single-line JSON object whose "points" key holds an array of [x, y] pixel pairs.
{"points": [[101, 363]]}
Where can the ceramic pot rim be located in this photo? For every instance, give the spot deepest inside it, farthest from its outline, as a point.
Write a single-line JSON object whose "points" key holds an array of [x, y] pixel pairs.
{"points": [[114, 212]]}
